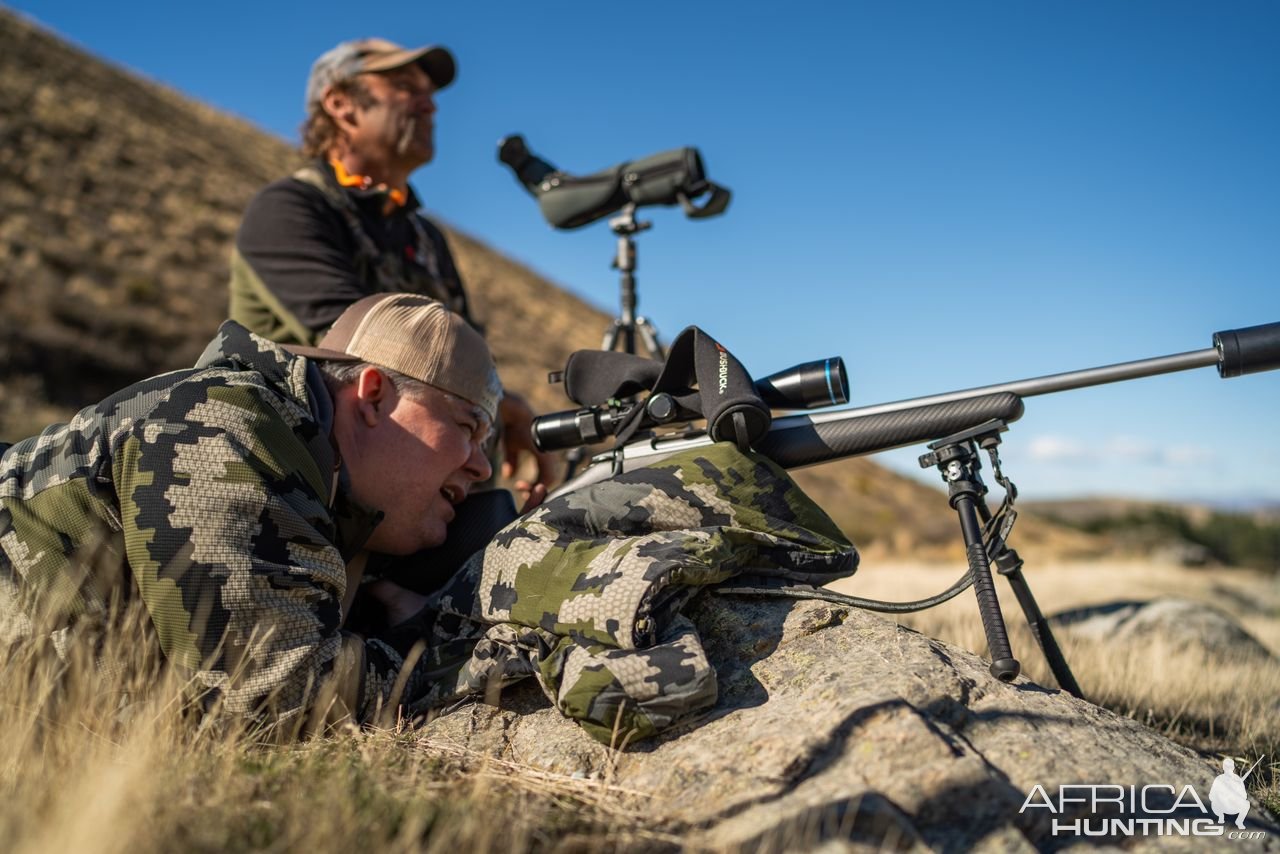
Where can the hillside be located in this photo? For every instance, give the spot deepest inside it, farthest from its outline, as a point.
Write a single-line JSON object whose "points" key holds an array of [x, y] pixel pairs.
{"points": [[1190, 534], [120, 200]]}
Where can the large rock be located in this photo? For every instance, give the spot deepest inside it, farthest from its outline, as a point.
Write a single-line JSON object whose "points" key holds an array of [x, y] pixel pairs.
{"points": [[1177, 625], [837, 724]]}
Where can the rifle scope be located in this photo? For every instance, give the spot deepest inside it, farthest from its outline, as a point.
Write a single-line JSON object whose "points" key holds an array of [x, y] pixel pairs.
{"points": [[823, 382]]}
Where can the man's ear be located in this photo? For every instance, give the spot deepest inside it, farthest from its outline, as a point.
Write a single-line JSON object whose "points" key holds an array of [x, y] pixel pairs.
{"points": [[340, 106], [374, 394]]}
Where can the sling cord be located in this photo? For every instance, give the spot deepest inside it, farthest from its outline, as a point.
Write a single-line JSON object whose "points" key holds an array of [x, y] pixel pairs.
{"points": [[994, 535]]}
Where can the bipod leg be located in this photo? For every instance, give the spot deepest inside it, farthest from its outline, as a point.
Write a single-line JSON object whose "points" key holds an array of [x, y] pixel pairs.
{"points": [[1009, 565], [1003, 665], [957, 459]]}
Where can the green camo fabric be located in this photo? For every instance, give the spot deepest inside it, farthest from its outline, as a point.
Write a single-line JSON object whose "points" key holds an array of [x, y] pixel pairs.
{"points": [[208, 495], [585, 592]]}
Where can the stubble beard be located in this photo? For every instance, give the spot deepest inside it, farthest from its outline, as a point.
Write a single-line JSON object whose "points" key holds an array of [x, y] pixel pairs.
{"points": [[408, 139]]}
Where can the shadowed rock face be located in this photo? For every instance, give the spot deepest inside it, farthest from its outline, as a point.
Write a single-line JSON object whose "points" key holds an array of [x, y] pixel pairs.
{"points": [[838, 724]]}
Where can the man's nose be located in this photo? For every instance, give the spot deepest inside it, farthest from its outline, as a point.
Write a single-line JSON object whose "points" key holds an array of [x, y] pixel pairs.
{"points": [[478, 467]]}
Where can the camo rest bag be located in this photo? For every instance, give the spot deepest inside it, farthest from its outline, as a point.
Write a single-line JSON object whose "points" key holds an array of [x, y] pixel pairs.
{"points": [[585, 592]]}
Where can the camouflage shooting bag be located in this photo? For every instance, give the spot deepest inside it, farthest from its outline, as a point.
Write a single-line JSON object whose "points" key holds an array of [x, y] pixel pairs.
{"points": [[585, 593]]}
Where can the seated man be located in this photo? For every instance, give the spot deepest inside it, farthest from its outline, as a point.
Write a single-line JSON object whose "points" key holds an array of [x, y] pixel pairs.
{"points": [[239, 500], [347, 224]]}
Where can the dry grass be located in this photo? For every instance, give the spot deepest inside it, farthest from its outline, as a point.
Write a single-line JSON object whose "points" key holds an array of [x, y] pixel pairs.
{"points": [[100, 757], [1220, 705], [97, 755]]}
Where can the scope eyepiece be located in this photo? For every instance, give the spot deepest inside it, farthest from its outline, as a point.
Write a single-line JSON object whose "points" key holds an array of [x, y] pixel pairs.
{"points": [[557, 431], [512, 151], [530, 171]]}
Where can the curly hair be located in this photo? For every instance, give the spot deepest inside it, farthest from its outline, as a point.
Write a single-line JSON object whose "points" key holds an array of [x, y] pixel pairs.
{"points": [[319, 131]]}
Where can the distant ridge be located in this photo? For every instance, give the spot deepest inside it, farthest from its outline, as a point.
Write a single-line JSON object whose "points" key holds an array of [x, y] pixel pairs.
{"points": [[120, 199]]}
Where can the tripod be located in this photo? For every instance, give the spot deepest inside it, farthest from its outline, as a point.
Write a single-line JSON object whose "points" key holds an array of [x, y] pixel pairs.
{"points": [[957, 458], [627, 325]]}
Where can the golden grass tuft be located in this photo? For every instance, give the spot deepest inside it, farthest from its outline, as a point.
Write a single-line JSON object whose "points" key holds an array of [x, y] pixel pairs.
{"points": [[98, 755]]}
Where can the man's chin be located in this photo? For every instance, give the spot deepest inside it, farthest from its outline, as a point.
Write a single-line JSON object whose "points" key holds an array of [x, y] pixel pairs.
{"points": [[417, 152], [407, 545], [423, 156]]}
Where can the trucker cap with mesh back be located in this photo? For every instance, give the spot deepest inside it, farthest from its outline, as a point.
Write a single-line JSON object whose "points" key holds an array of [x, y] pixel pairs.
{"points": [[371, 55], [418, 337]]}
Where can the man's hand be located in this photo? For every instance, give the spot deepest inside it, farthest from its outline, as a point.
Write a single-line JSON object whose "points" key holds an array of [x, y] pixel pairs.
{"points": [[517, 439], [398, 603]]}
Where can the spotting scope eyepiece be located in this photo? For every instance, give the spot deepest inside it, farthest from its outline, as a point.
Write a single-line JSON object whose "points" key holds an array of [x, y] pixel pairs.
{"points": [[530, 171]]}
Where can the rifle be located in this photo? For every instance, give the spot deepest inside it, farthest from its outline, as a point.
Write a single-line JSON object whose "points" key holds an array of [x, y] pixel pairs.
{"points": [[956, 425]]}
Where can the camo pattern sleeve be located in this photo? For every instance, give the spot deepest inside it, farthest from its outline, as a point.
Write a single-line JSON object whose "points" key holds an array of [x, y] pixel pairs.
{"points": [[585, 592], [233, 551], [206, 494]]}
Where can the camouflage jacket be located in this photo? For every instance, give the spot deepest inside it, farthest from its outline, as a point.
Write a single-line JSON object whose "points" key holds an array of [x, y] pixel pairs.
{"points": [[209, 494], [585, 592]]}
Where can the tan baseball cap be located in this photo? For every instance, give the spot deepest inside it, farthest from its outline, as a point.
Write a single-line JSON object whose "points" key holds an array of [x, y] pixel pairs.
{"points": [[418, 337], [371, 55]]}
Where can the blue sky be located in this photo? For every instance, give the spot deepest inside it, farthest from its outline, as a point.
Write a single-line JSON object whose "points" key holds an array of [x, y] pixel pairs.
{"points": [[946, 194]]}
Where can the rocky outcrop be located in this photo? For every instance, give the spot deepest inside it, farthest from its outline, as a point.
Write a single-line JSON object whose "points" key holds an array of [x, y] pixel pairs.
{"points": [[1177, 625], [835, 724]]}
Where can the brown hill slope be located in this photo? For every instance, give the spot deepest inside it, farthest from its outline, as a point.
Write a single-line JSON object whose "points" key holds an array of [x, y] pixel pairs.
{"points": [[119, 199], [120, 202]]}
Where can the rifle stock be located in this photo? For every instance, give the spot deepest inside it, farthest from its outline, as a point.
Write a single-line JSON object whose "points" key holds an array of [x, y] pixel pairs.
{"points": [[798, 441]]}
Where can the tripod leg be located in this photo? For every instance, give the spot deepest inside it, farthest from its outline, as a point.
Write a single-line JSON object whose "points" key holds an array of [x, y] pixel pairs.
{"points": [[628, 332], [610, 336], [1003, 665], [650, 337]]}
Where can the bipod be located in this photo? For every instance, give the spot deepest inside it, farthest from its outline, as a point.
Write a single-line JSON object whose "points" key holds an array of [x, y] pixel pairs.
{"points": [[985, 539]]}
